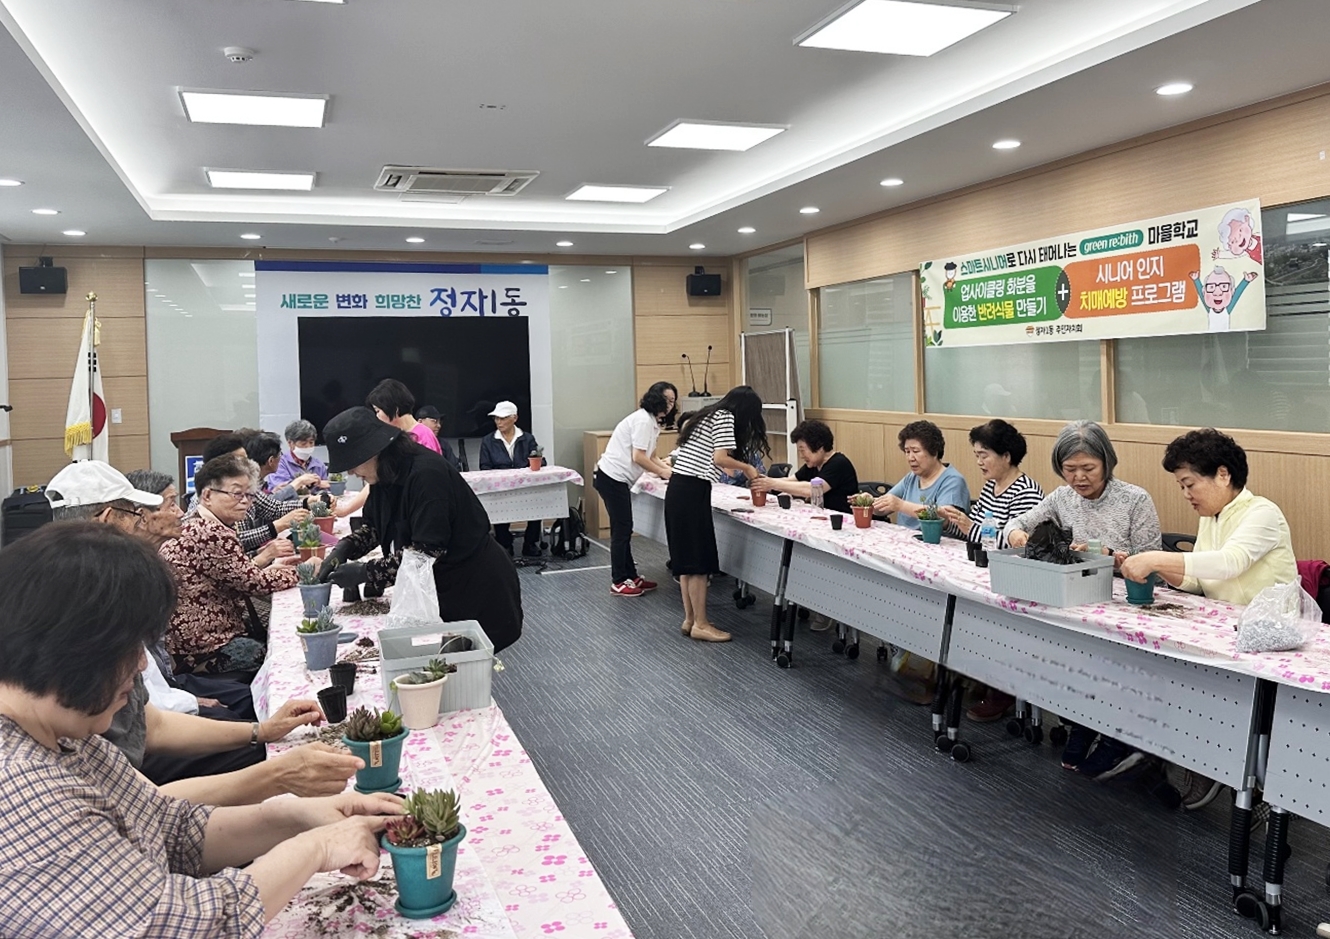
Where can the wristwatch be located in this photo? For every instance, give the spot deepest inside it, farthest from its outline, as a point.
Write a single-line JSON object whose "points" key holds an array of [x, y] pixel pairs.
{"points": [[253, 733]]}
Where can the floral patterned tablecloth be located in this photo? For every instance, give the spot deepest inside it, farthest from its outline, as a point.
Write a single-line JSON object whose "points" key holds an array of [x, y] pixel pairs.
{"points": [[482, 481], [1179, 624], [520, 871]]}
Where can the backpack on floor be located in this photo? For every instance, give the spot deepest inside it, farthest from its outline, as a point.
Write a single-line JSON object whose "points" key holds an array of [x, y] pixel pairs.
{"points": [[568, 538]]}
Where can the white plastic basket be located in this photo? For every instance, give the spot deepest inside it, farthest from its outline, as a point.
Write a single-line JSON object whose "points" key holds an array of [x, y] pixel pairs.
{"points": [[1051, 584], [406, 649]]}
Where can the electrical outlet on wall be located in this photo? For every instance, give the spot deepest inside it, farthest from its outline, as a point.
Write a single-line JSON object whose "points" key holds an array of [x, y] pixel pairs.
{"points": [[116, 416]]}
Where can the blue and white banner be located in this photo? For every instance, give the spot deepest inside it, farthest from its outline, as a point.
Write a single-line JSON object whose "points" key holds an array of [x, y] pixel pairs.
{"points": [[288, 291]]}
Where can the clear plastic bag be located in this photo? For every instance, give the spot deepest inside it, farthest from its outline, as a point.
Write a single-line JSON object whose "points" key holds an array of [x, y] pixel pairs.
{"points": [[415, 598], [1279, 618]]}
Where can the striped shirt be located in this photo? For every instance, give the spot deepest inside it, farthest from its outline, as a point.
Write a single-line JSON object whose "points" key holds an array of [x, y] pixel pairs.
{"points": [[1123, 518], [711, 433], [1018, 498]]}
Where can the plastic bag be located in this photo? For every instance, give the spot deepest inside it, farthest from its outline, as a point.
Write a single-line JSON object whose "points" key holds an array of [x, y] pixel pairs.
{"points": [[1052, 543], [415, 598], [1279, 618]]}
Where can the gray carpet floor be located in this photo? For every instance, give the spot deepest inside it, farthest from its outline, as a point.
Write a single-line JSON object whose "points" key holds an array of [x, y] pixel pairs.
{"points": [[719, 796]]}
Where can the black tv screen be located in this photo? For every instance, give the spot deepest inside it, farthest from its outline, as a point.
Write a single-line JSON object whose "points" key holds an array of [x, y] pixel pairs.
{"points": [[462, 365]]}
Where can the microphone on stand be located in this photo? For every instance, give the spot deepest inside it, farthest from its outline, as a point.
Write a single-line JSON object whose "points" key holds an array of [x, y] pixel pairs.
{"points": [[705, 369], [694, 393]]}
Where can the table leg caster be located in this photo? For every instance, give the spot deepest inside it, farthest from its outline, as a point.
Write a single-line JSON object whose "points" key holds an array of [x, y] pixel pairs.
{"points": [[1034, 735], [881, 653], [838, 646], [960, 752], [943, 743], [784, 659], [1058, 736], [1015, 726], [852, 651]]}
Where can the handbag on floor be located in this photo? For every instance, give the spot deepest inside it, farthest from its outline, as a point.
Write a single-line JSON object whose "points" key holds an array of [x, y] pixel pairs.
{"points": [[568, 538]]}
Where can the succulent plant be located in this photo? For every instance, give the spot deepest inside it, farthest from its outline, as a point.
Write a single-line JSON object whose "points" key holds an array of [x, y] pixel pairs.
{"points": [[407, 832], [320, 624], [308, 573], [320, 509], [862, 500], [436, 669], [365, 725], [336, 477], [538, 451], [432, 817], [929, 513], [309, 534]]}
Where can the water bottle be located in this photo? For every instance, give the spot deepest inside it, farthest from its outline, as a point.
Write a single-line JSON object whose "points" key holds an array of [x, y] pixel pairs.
{"points": [[815, 493], [988, 533]]}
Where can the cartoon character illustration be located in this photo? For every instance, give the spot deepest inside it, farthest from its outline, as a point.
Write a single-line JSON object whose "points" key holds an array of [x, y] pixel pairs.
{"points": [[950, 270], [1237, 233], [1219, 295]]}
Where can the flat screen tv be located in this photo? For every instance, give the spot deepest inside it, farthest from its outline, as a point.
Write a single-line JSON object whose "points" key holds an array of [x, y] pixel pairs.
{"points": [[462, 365]]}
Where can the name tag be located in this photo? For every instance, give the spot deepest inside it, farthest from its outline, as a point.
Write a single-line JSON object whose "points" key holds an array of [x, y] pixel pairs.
{"points": [[376, 753], [434, 862]]}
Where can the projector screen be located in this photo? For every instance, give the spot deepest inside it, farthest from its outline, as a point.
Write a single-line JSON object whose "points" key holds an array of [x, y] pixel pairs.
{"points": [[461, 365]]}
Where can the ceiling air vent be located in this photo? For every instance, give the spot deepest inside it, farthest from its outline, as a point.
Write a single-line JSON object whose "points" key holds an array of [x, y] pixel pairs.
{"points": [[416, 181]]}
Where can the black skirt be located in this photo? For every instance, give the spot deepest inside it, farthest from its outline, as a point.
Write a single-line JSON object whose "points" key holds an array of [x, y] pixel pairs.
{"points": [[689, 528], [485, 588]]}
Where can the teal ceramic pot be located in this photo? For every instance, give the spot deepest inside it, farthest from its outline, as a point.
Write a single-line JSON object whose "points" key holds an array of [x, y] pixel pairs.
{"points": [[931, 529], [315, 597], [320, 648], [382, 778], [418, 895], [1141, 593]]}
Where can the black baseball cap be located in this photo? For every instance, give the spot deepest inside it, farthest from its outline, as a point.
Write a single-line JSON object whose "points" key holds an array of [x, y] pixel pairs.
{"points": [[354, 436], [428, 413]]}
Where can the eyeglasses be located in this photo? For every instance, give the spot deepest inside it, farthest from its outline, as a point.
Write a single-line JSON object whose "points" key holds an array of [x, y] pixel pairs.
{"points": [[137, 513], [245, 496], [1219, 287]]}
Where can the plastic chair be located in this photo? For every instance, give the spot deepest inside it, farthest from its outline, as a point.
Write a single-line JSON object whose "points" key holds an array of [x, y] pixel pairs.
{"points": [[874, 489], [779, 470], [1174, 541]]}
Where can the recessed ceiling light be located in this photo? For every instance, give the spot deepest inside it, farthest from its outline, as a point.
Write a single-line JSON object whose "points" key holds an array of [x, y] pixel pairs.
{"points": [[213, 107], [900, 27], [327, 1], [45, 211], [563, 286], [1006, 144], [714, 135], [251, 236], [611, 272], [809, 210], [563, 244], [246, 273], [590, 193], [74, 233], [1173, 88], [586, 280], [747, 230], [415, 240], [892, 181], [11, 182], [244, 179], [1318, 244], [1304, 216], [696, 246]]}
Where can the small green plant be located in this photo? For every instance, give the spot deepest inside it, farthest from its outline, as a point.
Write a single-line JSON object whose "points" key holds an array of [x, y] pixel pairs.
{"points": [[537, 452], [436, 669], [432, 817], [320, 624], [308, 573], [336, 477], [309, 535], [929, 513], [367, 725], [320, 509], [862, 500]]}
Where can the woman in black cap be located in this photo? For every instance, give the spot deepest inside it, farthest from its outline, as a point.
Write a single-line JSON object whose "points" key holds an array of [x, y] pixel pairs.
{"points": [[418, 501]]}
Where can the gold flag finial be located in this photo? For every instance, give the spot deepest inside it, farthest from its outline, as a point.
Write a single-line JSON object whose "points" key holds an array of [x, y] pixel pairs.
{"points": [[92, 298]]}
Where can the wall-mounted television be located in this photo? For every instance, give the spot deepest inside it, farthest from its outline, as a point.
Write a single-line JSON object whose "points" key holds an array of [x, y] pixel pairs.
{"points": [[461, 365]]}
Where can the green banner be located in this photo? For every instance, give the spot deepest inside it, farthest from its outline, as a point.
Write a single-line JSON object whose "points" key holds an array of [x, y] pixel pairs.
{"points": [[1026, 297]]}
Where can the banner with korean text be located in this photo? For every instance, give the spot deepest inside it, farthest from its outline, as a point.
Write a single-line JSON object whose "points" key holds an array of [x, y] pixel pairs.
{"points": [[291, 291], [1193, 272]]}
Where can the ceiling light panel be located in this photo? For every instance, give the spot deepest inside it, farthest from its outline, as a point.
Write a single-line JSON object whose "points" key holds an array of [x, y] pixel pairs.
{"points": [[713, 135], [637, 194], [901, 27], [247, 179], [218, 107]]}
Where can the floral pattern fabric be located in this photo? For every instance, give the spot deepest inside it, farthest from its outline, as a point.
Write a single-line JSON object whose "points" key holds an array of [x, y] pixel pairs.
{"points": [[482, 481]]}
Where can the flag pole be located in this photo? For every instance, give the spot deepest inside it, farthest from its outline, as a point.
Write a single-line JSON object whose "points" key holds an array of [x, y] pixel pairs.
{"points": [[92, 355]]}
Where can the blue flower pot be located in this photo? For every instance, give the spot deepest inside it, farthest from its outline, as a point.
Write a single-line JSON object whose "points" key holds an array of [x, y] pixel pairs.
{"points": [[1141, 593], [383, 778], [320, 648], [315, 597], [337, 489], [418, 895], [931, 529]]}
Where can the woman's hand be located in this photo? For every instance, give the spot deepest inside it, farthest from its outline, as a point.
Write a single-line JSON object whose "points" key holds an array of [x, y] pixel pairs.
{"points": [[292, 560], [329, 810], [956, 517], [1018, 538], [306, 480], [884, 505], [294, 517], [761, 484], [350, 846], [294, 713], [277, 548]]}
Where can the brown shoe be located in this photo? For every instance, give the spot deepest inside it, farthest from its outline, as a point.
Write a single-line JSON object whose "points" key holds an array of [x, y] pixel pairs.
{"points": [[709, 633], [993, 708]]}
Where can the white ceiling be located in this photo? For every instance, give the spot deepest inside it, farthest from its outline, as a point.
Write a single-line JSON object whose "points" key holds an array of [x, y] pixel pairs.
{"points": [[91, 119]]}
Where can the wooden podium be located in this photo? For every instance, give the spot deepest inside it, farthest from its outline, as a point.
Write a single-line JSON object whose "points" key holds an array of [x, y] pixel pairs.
{"points": [[190, 443]]}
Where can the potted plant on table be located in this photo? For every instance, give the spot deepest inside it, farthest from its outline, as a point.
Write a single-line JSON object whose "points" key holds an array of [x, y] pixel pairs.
{"points": [[536, 459], [322, 515], [930, 524], [314, 595], [376, 737], [861, 504], [423, 844], [318, 636], [336, 484], [419, 692], [309, 540]]}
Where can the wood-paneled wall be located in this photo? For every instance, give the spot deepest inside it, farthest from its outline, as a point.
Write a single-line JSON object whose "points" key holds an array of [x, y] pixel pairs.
{"points": [[42, 338], [1288, 468], [668, 323]]}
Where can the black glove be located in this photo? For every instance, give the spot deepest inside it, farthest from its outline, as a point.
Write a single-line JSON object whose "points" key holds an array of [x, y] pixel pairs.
{"points": [[351, 574], [338, 555]]}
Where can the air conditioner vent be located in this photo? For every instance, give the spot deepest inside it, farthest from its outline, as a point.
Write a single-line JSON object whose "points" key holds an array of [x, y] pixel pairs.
{"points": [[420, 180]]}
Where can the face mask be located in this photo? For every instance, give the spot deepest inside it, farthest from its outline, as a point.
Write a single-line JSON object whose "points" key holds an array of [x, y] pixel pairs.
{"points": [[303, 453]]}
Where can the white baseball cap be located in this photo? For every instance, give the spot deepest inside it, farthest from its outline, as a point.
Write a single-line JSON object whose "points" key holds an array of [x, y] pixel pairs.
{"points": [[92, 482], [504, 409]]}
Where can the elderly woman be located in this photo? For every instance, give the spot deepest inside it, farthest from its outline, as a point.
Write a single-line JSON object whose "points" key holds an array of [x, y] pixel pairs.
{"points": [[816, 447], [930, 482], [298, 467], [216, 579], [1122, 518], [91, 847], [267, 517]]}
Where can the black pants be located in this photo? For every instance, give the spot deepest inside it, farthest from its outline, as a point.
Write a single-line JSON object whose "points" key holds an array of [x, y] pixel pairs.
{"points": [[485, 588], [530, 539], [618, 501], [163, 768]]}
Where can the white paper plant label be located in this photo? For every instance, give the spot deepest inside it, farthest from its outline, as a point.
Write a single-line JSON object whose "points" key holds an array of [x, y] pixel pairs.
{"points": [[434, 862], [376, 753]]}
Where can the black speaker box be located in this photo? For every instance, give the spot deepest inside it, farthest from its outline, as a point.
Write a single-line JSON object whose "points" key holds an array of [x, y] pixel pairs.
{"points": [[42, 280], [25, 511], [704, 285]]}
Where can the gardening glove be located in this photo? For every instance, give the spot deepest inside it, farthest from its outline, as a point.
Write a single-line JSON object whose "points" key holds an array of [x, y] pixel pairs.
{"points": [[351, 574], [338, 555]]}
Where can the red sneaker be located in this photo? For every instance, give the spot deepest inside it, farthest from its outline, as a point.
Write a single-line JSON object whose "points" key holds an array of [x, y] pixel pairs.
{"points": [[626, 589], [644, 585]]}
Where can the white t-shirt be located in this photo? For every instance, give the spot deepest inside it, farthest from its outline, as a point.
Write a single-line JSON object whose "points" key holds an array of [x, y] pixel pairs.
{"points": [[637, 431], [162, 695], [711, 433]]}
